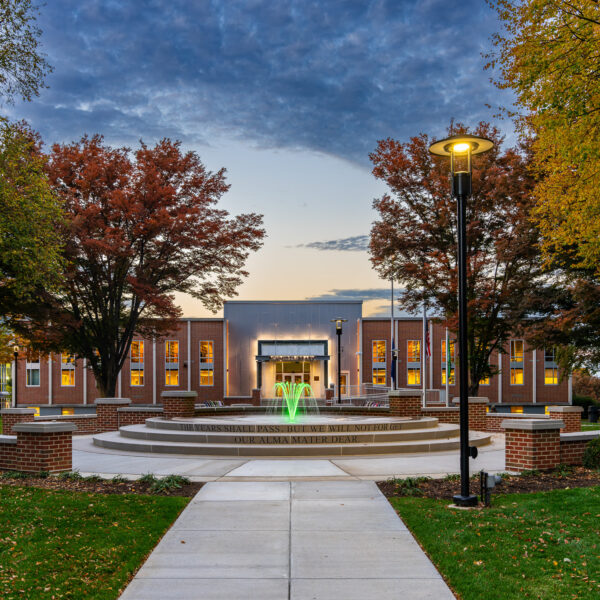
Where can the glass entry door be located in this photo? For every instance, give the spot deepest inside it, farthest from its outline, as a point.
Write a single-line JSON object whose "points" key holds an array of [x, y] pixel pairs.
{"points": [[292, 371]]}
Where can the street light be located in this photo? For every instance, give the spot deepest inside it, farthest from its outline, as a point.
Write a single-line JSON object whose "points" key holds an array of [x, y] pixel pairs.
{"points": [[338, 330], [14, 383], [460, 149]]}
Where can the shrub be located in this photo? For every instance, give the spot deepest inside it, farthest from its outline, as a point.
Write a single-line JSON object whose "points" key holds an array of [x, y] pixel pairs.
{"points": [[168, 483], [585, 402], [119, 479], [591, 456], [148, 478]]}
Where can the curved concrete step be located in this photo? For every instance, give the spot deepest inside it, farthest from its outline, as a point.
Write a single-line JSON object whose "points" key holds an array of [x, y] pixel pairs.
{"points": [[265, 426], [142, 432], [115, 441]]}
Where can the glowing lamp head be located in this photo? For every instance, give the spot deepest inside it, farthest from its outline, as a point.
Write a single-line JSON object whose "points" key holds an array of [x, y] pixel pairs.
{"points": [[16, 349], [338, 324], [461, 148]]}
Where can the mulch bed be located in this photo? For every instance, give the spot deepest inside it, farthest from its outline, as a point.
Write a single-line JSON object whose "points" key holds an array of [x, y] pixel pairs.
{"points": [[576, 477], [105, 486]]}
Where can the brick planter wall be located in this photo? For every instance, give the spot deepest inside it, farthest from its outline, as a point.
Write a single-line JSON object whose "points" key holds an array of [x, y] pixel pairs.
{"points": [[572, 446], [44, 447], [179, 404], [405, 403], [133, 415], [493, 421], [8, 452], [106, 412], [12, 416], [532, 444], [86, 424], [450, 414], [569, 415]]}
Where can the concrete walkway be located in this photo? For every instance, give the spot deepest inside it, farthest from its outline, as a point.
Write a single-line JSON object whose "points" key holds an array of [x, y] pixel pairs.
{"points": [[90, 459], [300, 540]]}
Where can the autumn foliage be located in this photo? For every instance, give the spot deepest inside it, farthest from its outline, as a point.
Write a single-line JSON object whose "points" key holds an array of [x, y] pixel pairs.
{"points": [[414, 239], [139, 227]]}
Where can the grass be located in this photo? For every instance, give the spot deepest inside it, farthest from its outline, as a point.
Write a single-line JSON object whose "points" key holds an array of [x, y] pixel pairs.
{"points": [[75, 545], [587, 426], [544, 545]]}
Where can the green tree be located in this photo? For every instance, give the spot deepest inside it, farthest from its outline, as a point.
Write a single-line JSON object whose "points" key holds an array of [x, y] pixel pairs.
{"points": [[549, 54], [22, 65]]}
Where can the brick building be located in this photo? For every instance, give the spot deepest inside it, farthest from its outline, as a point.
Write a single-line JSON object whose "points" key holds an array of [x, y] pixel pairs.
{"points": [[257, 344]]}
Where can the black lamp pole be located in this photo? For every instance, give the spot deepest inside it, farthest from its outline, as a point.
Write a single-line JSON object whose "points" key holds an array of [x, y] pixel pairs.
{"points": [[338, 331], [16, 356], [460, 148]]}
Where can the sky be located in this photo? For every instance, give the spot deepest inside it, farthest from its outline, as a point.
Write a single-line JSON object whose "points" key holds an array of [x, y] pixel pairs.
{"points": [[290, 97]]}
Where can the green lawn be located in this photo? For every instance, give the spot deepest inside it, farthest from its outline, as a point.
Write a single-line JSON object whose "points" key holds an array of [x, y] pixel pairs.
{"points": [[587, 426], [75, 545], [544, 545]]}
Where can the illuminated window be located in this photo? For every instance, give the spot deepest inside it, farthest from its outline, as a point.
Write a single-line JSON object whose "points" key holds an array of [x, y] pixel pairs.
{"points": [[67, 411], [452, 380], [379, 376], [414, 377], [33, 374], [551, 376], [137, 363], [379, 351], [516, 351], [207, 363], [67, 370], [413, 350], [549, 354], [444, 362], [171, 362], [516, 376], [485, 380]]}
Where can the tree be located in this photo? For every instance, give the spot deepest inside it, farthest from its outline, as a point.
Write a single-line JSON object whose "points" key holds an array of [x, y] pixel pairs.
{"points": [[414, 240], [30, 244], [548, 54], [138, 229], [22, 66]]}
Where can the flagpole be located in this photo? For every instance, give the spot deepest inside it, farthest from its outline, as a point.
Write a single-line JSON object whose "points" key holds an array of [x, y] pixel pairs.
{"points": [[448, 364]]}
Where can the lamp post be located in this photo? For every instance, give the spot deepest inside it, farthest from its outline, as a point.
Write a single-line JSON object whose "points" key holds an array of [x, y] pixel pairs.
{"points": [[460, 149], [16, 356], [338, 330]]}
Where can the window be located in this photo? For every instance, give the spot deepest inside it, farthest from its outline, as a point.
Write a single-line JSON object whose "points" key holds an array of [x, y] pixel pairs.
{"points": [[549, 354], [485, 380], [137, 363], [413, 376], [379, 351], [551, 375], [413, 351], [171, 362], [67, 370], [444, 365], [516, 362], [33, 374], [379, 376], [207, 363]]}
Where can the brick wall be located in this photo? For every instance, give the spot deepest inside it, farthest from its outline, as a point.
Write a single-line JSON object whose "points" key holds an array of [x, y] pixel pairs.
{"points": [[106, 411], [443, 415], [531, 444], [179, 404], [135, 416], [12, 416], [571, 453], [8, 453], [569, 415], [44, 447], [86, 424], [405, 404]]}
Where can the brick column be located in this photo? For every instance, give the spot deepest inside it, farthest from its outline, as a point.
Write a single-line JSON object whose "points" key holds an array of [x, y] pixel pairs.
{"points": [[44, 447], [477, 412], [569, 415], [406, 403], [12, 416], [256, 396], [328, 394], [179, 404], [532, 444], [106, 412]]}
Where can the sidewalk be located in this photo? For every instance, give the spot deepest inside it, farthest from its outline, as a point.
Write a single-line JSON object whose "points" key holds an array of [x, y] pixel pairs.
{"points": [[299, 540]]}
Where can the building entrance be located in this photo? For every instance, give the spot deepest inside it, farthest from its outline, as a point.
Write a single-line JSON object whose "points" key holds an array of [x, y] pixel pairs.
{"points": [[293, 371]]}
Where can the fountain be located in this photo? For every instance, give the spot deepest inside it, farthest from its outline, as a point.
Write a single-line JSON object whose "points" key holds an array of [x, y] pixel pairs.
{"points": [[294, 397]]}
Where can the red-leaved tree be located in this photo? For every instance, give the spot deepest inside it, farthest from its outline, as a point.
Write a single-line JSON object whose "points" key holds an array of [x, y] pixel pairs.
{"points": [[139, 228], [414, 240]]}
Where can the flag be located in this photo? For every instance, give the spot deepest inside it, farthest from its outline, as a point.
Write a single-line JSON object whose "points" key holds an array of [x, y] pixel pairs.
{"points": [[427, 344], [393, 363]]}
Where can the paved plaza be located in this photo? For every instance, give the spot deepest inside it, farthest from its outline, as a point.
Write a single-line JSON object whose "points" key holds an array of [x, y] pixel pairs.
{"points": [[90, 459], [297, 540]]}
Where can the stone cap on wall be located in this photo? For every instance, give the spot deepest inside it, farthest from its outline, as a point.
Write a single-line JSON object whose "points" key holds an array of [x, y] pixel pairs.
{"points": [[565, 409], [506, 415], [122, 401], [579, 436], [532, 424], [8, 439], [178, 394], [44, 427], [405, 393], [17, 411], [64, 417], [156, 409], [473, 400], [441, 409]]}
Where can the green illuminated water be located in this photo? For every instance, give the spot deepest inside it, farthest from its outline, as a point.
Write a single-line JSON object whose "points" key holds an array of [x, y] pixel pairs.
{"points": [[293, 398]]}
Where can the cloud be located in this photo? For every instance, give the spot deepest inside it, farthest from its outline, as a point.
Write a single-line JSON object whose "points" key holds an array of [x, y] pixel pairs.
{"points": [[357, 243], [356, 294], [332, 77]]}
